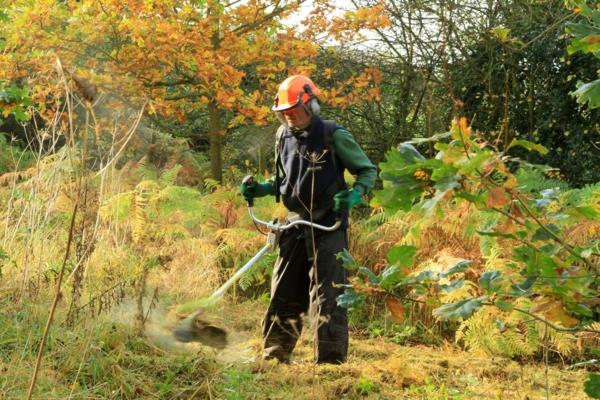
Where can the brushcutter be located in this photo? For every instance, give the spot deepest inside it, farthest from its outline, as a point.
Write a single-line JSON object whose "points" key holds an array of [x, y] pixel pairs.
{"points": [[193, 328]]}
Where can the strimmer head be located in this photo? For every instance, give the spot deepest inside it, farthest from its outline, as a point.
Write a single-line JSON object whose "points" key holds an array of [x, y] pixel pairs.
{"points": [[194, 329]]}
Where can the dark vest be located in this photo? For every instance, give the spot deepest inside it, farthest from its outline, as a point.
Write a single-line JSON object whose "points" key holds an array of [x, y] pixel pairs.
{"points": [[312, 172]]}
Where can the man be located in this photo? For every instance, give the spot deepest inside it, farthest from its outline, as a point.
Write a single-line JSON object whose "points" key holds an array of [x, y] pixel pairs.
{"points": [[311, 157]]}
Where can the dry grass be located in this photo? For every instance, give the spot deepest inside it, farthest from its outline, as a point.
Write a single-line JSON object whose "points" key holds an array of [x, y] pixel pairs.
{"points": [[377, 369], [192, 271]]}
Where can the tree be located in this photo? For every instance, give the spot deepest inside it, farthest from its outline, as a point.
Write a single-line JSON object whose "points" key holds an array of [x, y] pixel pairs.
{"points": [[187, 57]]}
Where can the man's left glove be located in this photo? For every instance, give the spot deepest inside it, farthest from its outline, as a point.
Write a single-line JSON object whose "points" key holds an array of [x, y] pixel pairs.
{"points": [[255, 189], [345, 199]]}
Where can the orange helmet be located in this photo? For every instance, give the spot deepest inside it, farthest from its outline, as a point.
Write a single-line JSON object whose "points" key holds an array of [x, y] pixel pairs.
{"points": [[295, 90]]}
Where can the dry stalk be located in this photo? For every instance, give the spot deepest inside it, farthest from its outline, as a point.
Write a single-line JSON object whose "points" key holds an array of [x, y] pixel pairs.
{"points": [[57, 297]]}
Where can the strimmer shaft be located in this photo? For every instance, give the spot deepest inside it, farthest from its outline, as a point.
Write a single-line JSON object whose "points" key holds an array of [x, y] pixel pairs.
{"points": [[220, 291]]}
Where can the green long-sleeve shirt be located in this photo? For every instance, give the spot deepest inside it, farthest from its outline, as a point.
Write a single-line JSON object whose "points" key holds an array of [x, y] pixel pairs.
{"points": [[355, 160]]}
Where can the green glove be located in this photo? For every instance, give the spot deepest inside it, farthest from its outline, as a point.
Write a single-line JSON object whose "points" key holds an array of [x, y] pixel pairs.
{"points": [[255, 189], [344, 200]]}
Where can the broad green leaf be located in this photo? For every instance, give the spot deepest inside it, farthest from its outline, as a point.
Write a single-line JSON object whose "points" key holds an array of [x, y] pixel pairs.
{"points": [[20, 115], [528, 145], [423, 276], [461, 309], [397, 198], [348, 261], [592, 386], [371, 277], [349, 299], [522, 289], [582, 309], [491, 281], [504, 306], [543, 234], [389, 277], [433, 138], [453, 286], [536, 262], [588, 93], [473, 164], [401, 255], [409, 153], [477, 200], [460, 266]]}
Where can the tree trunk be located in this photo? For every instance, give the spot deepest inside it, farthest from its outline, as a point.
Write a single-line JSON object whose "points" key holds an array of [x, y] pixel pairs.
{"points": [[214, 136]]}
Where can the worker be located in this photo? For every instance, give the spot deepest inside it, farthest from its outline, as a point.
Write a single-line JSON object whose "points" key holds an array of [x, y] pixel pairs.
{"points": [[311, 156]]}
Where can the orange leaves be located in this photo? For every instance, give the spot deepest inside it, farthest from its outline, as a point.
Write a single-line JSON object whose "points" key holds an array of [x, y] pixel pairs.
{"points": [[361, 87], [497, 198], [460, 129], [371, 17], [396, 308]]}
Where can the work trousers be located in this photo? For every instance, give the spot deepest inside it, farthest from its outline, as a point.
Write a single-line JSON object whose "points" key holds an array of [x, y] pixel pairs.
{"points": [[293, 282]]}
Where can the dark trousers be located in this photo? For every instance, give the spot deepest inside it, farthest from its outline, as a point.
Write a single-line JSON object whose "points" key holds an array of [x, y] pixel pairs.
{"points": [[293, 281]]}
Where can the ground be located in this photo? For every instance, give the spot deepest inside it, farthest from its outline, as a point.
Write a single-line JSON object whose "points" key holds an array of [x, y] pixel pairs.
{"points": [[376, 368]]}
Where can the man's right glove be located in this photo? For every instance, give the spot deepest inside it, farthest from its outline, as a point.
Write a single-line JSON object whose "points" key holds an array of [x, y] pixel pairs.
{"points": [[345, 199], [253, 189]]}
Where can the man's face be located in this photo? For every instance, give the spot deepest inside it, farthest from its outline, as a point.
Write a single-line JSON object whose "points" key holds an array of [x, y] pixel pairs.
{"points": [[297, 117]]}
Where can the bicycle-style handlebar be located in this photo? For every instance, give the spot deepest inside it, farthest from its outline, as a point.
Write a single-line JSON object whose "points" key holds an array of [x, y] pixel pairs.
{"points": [[291, 224], [249, 180]]}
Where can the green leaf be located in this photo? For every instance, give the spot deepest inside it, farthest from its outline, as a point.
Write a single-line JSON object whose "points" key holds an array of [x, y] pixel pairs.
{"points": [[473, 164], [348, 261], [461, 309], [424, 276], [582, 309], [528, 145], [452, 286], [397, 198], [523, 288], [371, 277], [460, 266], [504, 306], [433, 138], [589, 212], [349, 299], [408, 152], [491, 281], [588, 93], [591, 386], [543, 234], [389, 277], [20, 115], [401, 255], [496, 234], [477, 200]]}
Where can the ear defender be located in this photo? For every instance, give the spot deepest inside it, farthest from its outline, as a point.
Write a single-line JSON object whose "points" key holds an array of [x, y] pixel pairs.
{"points": [[313, 103]]}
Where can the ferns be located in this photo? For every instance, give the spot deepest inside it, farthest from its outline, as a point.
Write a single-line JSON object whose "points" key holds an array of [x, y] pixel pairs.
{"points": [[142, 194], [511, 334], [532, 179], [169, 177], [577, 197]]}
